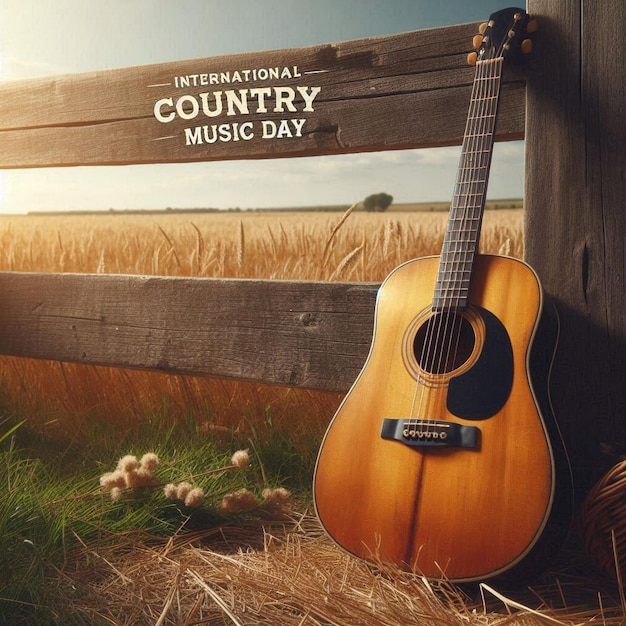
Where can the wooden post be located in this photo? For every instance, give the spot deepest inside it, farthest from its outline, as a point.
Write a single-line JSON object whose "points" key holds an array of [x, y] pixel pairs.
{"points": [[576, 214]]}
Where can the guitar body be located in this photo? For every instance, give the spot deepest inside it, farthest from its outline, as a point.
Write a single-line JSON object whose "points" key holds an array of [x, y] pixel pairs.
{"points": [[394, 483], [444, 458]]}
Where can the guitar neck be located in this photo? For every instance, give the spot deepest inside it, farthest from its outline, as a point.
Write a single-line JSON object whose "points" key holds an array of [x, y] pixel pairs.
{"points": [[460, 243]]}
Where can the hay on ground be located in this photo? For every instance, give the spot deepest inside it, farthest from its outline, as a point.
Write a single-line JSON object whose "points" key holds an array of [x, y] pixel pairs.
{"points": [[292, 574]]}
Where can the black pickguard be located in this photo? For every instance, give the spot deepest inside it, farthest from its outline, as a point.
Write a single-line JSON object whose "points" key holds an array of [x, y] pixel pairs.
{"points": [[484, 389]]}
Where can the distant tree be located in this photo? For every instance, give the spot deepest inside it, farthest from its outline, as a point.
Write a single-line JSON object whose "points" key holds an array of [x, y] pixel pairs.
{"points": [[378, 202]]}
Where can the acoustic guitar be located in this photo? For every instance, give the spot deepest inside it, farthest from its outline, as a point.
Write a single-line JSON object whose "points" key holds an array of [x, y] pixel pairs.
{"points": [[444, 458]]}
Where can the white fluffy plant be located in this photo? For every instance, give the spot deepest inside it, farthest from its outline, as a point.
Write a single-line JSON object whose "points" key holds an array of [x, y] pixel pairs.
{"points": [[132, 474]]}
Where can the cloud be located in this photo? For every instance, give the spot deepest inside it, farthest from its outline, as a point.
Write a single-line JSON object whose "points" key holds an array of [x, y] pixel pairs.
{"points": [[438, 157], [408, 175], [510, 150], [14, 68]]}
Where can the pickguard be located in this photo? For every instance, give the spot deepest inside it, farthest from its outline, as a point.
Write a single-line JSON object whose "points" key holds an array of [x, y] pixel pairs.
{"points": [[482, 390]]}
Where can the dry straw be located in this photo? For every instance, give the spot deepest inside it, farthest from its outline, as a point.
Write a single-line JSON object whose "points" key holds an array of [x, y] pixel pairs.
{"points": [[241, 245], [199, 249], [290, 575], [170, 243], [334, 231], [342, 270]]}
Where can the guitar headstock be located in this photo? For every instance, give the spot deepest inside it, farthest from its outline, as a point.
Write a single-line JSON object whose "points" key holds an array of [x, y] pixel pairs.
{"points": [[505, 35]]}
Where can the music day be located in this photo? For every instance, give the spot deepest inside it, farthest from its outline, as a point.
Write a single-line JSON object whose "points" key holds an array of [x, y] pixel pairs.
{"points": [[237, 103]]}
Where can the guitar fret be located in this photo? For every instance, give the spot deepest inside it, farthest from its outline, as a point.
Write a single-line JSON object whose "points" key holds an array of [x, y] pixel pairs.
{"points": [[477, 193], [459, 270], [470, 136], [456, 281], [475, 161], [482, 116], [451, 293], [470, 154], [452, 288], [477, 170], [448, 296], [459, 282], [455, 287], [460, 275], [460, 242], [467, 231], [455, 251]]}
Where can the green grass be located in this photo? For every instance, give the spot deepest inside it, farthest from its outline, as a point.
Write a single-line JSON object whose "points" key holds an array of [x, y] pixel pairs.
{"points": [[53, 511]]}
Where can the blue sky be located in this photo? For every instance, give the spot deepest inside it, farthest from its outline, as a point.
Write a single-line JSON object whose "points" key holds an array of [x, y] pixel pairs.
{"points": [[47, 37]]}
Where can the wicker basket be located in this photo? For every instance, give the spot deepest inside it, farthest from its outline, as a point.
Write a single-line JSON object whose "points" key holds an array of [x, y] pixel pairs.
{"points": [[603, 522]]}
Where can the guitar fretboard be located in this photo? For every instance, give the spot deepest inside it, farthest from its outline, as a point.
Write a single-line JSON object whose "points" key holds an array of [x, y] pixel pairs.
{"points": [[452, 287]]}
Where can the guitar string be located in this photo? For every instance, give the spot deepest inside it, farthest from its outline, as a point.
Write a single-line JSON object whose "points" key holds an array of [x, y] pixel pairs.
{"points": [[452, 322], [452, 261], [457, 257], [467, 235], [465, 222], [435, 322], [475, 162], [466, 232], [461, 229]]}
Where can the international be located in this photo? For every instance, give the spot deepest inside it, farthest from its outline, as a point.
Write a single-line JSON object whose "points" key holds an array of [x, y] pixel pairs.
{"points": [[237, 76]]}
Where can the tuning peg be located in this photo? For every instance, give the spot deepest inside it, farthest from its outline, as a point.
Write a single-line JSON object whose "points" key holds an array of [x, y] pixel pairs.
{"points": [[482, 28], [477, 41], [527, 46], [472, 57], [532, 26]]}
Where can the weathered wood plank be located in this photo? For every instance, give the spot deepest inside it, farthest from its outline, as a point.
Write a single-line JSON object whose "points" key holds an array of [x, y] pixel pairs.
{"points": [[399, 91], [576, 223], [301, 334]]}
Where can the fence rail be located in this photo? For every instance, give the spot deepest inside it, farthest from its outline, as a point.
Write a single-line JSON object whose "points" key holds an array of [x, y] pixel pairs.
{"points": [[399, 91], [301, 334]]}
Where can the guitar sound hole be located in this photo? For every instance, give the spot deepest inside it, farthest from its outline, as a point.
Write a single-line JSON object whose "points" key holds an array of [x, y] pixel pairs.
{"points": [[443, 343]]}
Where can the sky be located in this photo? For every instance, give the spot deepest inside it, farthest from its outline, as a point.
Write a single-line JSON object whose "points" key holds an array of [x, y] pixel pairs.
{"points": [[48, 37]]}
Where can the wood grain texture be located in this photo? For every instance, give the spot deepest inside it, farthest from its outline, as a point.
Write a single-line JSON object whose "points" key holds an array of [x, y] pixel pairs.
{"points": [[575, 218], [465, 513], [301, 334], [399, 91]]}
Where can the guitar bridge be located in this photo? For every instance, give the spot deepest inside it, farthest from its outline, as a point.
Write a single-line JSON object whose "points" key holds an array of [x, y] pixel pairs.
{"points": [[430, 433]]}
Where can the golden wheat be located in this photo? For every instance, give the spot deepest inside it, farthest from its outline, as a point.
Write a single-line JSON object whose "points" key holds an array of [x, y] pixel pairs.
{"points": [[296, 246]]}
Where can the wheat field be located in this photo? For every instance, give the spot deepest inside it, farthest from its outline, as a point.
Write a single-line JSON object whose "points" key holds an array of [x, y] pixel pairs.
{"points": [[58, 398], [274, 245]]}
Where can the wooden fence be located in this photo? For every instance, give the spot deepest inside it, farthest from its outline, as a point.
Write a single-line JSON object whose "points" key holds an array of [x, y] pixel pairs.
{"points": [[402, 91]]}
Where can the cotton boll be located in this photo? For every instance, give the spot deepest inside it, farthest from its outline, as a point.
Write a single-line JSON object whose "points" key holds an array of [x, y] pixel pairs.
{"points": [[171, 491], [241, 500], [113, 479], [128, 463], [195, 497], [183, 489], [241, 459], [149, 462]]}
